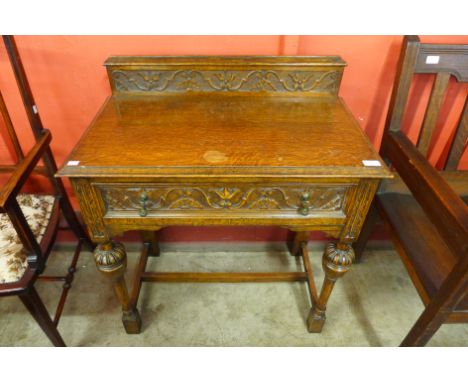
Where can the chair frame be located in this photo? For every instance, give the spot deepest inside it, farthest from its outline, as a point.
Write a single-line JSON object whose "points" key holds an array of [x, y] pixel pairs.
{"points": [[436, 192], [37, 253]]}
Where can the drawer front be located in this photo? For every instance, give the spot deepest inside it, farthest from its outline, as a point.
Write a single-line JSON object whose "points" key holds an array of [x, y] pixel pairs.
{"points": [[226, 199]]}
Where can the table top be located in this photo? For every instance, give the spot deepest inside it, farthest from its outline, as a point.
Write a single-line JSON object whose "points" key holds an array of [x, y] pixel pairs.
{"points": [[230, 134]]}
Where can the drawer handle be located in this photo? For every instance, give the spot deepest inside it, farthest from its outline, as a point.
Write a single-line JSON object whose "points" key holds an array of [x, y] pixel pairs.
{"points": [[143, 198], [305, 202]]}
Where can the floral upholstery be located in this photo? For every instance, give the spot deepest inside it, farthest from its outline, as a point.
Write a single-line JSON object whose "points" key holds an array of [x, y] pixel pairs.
{"points": [[37, 210]]}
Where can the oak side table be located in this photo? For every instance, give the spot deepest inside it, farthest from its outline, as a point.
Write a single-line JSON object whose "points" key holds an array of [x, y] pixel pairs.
{"points": [[224, 141]]}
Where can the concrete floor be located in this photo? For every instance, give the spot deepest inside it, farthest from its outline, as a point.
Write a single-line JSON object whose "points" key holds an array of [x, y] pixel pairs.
{"points": [[375, 304]]}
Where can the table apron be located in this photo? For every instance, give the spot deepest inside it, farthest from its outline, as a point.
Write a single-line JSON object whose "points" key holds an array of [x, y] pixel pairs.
{"points": [[111, 207]]}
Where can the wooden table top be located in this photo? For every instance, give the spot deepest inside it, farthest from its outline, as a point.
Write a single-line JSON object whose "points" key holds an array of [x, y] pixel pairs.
{"points": [[228, 134]]}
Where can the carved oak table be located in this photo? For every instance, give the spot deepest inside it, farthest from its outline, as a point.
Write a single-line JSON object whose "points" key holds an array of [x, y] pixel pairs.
{"points": [[224, 141]]}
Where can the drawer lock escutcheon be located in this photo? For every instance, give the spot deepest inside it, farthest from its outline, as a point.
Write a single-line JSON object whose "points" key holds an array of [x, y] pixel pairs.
{"points": [[305, 202]]}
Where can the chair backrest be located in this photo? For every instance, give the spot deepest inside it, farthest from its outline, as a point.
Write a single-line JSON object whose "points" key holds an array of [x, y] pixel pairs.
{"points": [[443, 61]]}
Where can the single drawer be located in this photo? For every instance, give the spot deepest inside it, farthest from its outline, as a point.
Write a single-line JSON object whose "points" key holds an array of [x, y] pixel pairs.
{"points": [[144, 200]]}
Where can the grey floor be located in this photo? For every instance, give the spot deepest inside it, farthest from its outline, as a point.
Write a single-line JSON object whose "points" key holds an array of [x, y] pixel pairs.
{"points": [[375, 304]]}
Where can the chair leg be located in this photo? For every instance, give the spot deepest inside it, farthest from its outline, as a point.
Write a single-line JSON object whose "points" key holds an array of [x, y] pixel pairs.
{"points": [[33, 303], [422, 332], [367, 229]]}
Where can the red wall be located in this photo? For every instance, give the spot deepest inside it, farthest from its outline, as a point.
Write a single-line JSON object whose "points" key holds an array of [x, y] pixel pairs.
{"points": [[70, 83]]}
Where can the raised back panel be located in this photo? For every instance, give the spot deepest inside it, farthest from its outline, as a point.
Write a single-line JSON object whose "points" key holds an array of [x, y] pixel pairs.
{"points": [[459, 142], [231, 74]]}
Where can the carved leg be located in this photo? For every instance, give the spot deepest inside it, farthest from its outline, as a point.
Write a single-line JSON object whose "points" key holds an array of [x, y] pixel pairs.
{"points": [[336, 261], [295, 245], [111, 260], [151, 237]]}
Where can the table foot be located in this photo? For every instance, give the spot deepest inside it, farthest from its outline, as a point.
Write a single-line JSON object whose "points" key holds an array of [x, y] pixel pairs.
{"points": [[132, 321], [315, 321]]}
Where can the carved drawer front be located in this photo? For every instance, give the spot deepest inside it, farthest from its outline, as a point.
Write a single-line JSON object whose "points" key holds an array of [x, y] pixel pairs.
{"points": [[162, 199]]}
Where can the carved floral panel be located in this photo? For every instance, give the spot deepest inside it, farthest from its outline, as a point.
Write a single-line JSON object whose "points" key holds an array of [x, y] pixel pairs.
{"points": [[228, 81], [173, 198]]}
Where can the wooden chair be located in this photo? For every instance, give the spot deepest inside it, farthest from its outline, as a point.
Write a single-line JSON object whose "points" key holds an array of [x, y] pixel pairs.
{"points": [[29, 223], [425, 209]]}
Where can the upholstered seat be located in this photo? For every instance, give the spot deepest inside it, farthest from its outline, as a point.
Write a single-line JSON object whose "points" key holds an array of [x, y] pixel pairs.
{"points": [[37, 210]]}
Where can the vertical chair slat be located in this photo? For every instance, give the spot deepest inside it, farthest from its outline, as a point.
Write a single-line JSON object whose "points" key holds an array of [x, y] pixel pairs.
{"points": [[25, 90], [403, 79], [459, 142], [11, 131], [432, 112]]}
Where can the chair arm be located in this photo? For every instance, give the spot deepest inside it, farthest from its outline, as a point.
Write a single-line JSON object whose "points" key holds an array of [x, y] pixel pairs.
{"points": [[23, 170], [444, 208]]}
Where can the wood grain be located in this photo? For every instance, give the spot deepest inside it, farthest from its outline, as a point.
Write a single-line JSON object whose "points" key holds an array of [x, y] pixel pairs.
{"points": [[262, 136]]}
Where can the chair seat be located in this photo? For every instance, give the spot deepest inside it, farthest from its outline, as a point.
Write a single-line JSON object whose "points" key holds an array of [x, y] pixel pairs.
{"points": [[428, 254], [37, 210]]}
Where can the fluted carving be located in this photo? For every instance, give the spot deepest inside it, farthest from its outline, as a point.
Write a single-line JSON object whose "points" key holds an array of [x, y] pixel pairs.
{"points": [[90, 209], [363, 196], [110, 256], [336, 259]]}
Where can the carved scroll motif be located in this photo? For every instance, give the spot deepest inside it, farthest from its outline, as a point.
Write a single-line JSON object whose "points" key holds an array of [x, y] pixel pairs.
{"points": [[221, 198], [227, 81]]}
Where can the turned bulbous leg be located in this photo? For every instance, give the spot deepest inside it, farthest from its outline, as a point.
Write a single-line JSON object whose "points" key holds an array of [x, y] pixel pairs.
{"points": [[336, 261], [111, 261]]}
